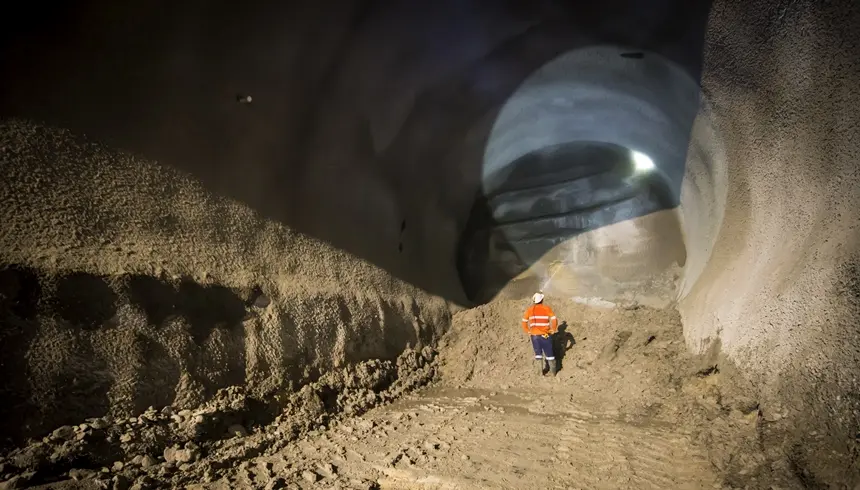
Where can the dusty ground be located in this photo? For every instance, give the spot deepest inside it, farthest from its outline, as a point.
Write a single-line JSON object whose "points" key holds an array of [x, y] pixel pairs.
{"points": [[775, 276], [629, 409]]}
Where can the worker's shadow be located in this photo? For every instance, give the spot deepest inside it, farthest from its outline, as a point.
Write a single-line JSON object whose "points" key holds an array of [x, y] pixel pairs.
{"points": [[562, 341]]}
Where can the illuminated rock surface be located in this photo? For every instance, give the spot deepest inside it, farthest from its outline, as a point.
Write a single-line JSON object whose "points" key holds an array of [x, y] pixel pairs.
{"points": [[206, 196]]}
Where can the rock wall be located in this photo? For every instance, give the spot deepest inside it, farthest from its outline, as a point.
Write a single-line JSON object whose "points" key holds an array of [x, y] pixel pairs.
{"points": [[367, 130], [779, 289], [126, 284]]}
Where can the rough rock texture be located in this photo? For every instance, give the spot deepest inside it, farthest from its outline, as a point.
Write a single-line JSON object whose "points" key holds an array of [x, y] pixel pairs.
{"points": [[778, 289], [126, 285], [168, 447], [377, 123]]}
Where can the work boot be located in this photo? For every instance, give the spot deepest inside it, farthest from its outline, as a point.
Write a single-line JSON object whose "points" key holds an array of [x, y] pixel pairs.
{"points": [[539, 364], [553, 367]]}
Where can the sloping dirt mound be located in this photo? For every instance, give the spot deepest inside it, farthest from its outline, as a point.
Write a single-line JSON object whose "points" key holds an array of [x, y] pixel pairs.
{"points": [[622, 358], [627, 363]]}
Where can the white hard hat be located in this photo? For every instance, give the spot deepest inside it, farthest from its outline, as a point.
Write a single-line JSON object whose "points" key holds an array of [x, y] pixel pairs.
{"points": [[537, 298]]}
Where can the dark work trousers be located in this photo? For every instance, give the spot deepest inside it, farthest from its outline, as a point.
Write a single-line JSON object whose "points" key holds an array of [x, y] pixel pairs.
{"points": [[543, 347]]}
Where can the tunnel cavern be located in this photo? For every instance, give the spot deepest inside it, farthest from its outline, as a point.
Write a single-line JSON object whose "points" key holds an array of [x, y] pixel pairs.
{"points": [[289, 245]]}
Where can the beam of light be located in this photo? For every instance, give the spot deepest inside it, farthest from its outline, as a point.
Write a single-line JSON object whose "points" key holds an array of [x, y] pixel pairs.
{"points": [[641, 161]]}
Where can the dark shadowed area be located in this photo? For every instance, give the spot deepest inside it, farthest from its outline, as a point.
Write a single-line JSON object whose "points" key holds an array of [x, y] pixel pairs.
{"points": [[294, 200], [162, 82]]}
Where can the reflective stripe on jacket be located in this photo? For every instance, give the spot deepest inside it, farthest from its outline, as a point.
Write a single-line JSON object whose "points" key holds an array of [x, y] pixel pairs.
{"points": [[539, 320]]}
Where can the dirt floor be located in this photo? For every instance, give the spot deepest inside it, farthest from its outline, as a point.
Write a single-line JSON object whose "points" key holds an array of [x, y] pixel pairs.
{"points": [[629, 409]]}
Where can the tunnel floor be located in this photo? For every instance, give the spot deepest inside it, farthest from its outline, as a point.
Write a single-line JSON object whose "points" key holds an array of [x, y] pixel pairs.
{"points": [[473, 439], [629, 408]]}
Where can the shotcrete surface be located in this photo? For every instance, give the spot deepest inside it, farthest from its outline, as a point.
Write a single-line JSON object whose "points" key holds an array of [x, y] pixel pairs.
{"points": [[778, 288], [135, 283], [130, 285]]}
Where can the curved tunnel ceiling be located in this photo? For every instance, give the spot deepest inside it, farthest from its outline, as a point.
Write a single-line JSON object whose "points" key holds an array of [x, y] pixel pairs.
{"points": [[460, 145], [465, 118]]}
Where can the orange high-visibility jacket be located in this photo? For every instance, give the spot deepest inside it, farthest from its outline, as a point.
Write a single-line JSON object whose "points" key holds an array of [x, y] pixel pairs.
{"points": [[539, 320]]}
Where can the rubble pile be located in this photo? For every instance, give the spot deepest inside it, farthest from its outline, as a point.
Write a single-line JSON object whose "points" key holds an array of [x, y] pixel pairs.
{"points": [[166, 447]]}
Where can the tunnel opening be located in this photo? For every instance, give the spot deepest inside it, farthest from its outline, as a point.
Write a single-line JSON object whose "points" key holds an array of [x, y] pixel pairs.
{"points": [[557, 193], [778, 77], [587, 190]]}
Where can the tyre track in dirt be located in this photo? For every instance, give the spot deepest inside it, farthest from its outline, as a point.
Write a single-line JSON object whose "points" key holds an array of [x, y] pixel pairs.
{"points": [[456, 440]]}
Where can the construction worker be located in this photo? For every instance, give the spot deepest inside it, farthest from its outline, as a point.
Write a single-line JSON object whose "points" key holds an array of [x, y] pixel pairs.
{"points": [[540, 323]]}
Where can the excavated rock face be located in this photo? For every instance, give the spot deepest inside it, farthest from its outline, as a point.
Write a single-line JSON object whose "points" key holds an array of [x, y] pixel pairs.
{"points": [[317, 164], [777, 290], [126, 285]]}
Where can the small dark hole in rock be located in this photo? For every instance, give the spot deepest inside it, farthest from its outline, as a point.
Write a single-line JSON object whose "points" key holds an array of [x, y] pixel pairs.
{"points": [[403, 226], [260, 300], [650, 339], [400, 247]]}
